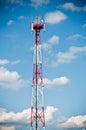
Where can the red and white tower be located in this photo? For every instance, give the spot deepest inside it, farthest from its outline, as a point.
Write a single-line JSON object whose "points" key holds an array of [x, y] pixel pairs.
{"points": [[37, 119]]}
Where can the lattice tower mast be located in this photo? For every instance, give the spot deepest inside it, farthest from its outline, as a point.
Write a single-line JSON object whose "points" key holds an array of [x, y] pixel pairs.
{"points": [[37, 119]]}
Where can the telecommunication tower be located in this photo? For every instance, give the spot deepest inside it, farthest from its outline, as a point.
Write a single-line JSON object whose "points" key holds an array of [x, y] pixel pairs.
{"points": [[37, 119]]}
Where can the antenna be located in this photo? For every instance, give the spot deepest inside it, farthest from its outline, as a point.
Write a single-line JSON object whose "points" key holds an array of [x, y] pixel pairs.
{"points": [[32, 26], [44, 26]]}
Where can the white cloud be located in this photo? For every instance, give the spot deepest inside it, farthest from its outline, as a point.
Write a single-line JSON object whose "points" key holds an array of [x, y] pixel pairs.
{"points": [[54, 39], [72, 7], [36, 3], [10, 22], [8, 117], [7, 128], [4, 61], [84, 8], [50, 42], [84, 25], [14, 1], [10, 120], [49, 112], [74, 122], [7, 75], [11, 79], [46, 46], [10, 36], [74, 37], [56, 82], [15, 62], [71, 54], [55, 17], [21, 17], [23, 117]]}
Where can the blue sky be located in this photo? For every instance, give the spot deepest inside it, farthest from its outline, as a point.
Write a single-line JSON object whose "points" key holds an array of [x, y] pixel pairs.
{"points": [[64, 62]]}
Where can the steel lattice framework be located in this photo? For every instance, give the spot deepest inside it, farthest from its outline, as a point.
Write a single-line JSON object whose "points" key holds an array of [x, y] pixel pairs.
{"points": [[37, 119]]}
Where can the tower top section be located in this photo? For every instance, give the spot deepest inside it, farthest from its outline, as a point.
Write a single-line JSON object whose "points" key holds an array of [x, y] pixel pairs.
{"points": [[38, 24]]}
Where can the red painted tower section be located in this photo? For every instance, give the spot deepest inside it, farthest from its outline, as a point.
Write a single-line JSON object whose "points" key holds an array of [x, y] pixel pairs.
{"points": [[37, 119]]}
